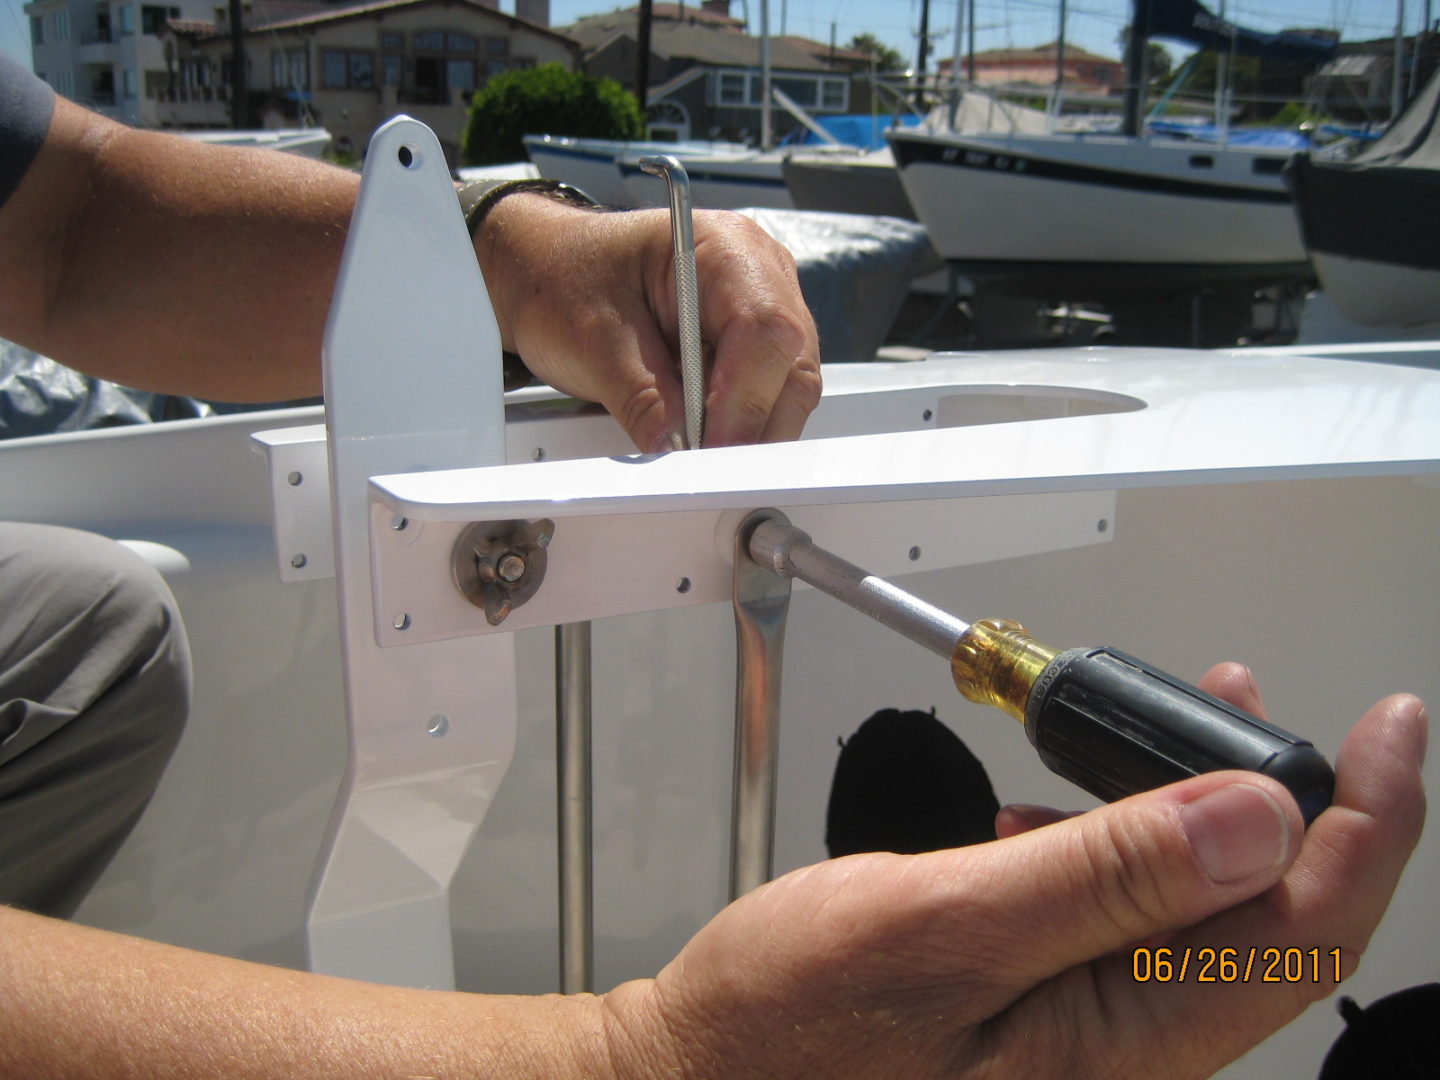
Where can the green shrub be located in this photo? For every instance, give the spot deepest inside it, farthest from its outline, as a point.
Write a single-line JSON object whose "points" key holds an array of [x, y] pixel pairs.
{"points": [[545, 100]]}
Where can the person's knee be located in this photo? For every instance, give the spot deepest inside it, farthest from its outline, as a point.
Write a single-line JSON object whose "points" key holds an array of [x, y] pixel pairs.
{"points": [[84, 613], [94, 694]]}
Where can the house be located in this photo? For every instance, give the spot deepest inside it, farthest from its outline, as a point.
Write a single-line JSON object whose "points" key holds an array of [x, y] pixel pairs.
{"points": [[110, 56], [705, 71], [350, 68], [1038, 68]]}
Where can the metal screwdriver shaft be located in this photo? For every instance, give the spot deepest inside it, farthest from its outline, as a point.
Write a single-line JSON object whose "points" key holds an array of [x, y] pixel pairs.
{"points": [[687, 291], [1101, 718]]}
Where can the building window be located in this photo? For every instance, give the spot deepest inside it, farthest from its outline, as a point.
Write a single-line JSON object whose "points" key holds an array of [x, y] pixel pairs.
{"points": [[392, 70], [392, 41], [742, 89], [152, 18], [127, 18], [128, 81], [348, 70], [460, 75], [446, 63], [732, 88], [157, 85], [61, 25], [37, 30], [290, 69]]}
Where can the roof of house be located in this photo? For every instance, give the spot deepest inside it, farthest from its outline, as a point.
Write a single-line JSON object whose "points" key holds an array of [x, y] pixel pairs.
{"points": [[622, 18], [1046, 52], [707, 44], [376, 8]]}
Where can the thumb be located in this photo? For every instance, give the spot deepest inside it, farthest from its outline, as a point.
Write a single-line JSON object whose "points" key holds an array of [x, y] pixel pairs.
{"points": [[1083, 887]]}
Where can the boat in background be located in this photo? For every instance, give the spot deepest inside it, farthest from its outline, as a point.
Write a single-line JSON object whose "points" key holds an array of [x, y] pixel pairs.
{"points": [[1136, 201], [590, 164], [1372, 223], [306, 142]]}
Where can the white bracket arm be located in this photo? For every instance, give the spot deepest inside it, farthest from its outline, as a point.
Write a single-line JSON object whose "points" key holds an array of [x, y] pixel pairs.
{"points": [[412, 382]]}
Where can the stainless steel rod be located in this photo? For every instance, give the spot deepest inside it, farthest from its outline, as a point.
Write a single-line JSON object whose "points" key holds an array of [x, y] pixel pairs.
{"points": [[762, 600], [784, 549], [687, 291], [572, 760]]}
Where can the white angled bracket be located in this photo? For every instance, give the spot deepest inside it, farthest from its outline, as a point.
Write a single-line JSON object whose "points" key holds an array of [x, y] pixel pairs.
{"points": [[412, 382]]}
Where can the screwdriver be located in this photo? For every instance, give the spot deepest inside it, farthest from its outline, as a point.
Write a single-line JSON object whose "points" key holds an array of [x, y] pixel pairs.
{"points": [[1110, 723]]}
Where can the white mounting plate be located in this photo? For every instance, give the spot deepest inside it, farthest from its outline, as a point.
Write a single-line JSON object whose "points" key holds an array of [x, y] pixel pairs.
{"points": [[1115, 418], [621, 564]]}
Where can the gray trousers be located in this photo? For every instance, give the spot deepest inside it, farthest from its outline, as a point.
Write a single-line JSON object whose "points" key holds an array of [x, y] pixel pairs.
{"points": [[94, 690]]}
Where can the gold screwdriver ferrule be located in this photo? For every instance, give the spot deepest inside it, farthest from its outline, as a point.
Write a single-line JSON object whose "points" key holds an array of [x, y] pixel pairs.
{"points": [[996, 662]]}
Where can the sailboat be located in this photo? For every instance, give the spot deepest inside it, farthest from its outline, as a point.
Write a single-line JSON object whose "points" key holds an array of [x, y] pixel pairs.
{"points": [[1372, 223], [1139, 200]]}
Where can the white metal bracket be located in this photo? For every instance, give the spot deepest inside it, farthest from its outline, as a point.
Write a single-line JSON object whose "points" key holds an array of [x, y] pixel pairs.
{"points": [[412, 382]]}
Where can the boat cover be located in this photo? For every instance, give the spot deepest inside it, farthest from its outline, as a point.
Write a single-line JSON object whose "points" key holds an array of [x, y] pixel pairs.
{"points": [[1381, 204], [855, 271]]}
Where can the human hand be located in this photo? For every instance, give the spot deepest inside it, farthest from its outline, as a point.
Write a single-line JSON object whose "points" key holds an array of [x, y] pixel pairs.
{"points": [[1014, 958], [588, 301]]}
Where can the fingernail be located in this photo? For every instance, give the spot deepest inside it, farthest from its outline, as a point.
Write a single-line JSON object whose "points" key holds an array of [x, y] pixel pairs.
{"points": [[667, 441], [1236, 832]]}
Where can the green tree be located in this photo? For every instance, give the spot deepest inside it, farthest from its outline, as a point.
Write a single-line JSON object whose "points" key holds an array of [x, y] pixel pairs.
{"points": [[886, 58], [545, 100]]}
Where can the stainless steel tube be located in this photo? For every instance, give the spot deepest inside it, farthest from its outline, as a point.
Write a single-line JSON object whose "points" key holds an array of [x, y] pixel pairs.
{"points": [[572, 761], [687, 291], [783, 549], [762, 600]]}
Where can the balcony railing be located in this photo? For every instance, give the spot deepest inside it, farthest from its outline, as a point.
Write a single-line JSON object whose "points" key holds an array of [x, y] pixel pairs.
{"points": [[96, 37]]}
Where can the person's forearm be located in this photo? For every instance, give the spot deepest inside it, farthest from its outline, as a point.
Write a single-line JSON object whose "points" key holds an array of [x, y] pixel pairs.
{"points": [[166, 263], [85, 1003]]}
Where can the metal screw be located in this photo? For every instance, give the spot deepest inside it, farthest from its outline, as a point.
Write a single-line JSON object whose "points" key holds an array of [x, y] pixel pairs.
{"points": [[1102, 525], [398, 523], [438, 726], [298, 561], [294, 479], [511, 567], [927, 415], [683, 585], [539, 454], [915, 554], [401, 621]]}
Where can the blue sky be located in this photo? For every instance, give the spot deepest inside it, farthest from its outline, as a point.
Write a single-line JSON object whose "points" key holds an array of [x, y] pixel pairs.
{"points": [[1093, 24]]}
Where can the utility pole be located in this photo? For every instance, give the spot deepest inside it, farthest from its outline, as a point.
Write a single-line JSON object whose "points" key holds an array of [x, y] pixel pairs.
{"points": [[239, 92], [642, 61], [924, 48]]}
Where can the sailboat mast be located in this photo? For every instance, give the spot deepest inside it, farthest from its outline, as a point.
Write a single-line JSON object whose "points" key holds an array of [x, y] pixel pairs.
{"points": [[1135, 65], [765, 128]]}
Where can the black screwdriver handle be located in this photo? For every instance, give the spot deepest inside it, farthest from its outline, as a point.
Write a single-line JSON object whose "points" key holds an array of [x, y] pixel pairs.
{"points": [[1115, 726]]}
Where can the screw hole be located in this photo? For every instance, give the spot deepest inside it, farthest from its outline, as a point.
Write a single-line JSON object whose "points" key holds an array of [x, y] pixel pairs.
{"points": [[539, 454], [298, 561], [294, 479], [408, 158], [928, 415], [1102, 525], [915, 554], [683, 585], [438, 725], [399, 523], [401, 621]]}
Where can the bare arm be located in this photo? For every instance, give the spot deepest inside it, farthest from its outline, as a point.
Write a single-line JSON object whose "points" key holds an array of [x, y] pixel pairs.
{"points": [[172, 265], [1003, 959], [86, 1003], [167, 264]]}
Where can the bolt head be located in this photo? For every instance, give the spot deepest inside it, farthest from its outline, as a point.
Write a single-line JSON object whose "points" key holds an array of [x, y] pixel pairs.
{"points": [[511, 567]]}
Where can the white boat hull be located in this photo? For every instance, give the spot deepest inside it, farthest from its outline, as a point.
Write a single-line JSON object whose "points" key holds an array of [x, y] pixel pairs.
{"points": [[1096, 199], [717, 181]]}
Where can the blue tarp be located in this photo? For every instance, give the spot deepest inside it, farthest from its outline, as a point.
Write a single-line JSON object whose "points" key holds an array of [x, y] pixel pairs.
{"points": [[854, 129]]}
